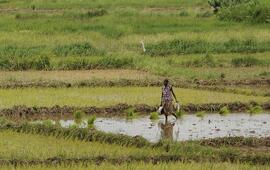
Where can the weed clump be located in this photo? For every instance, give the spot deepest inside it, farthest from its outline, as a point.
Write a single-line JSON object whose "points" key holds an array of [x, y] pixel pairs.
{"points": [[48, 123], [154, 116], [207, 60], [77, 49], [180, 113], [224, 111], [78, 115], [255, 109], [245, 62], [179, 47], [130, 113], [200, 114], [183, 13], [4, 121], [91, 121]]}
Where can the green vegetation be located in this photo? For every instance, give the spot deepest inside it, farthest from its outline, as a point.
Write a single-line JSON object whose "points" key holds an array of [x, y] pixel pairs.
{"points": [[91, 121], [179, 47], [91, 36], [180, 113], [154, 115], [48, 123], [246, 62], [151, 166], [94, 51], [224, 111], [255, 109], [78, 115], [113, 95], [200, 114], [130, 113]]}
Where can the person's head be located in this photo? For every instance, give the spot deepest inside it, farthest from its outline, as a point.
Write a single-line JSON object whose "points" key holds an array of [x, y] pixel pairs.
{"points": [[166, 82]]}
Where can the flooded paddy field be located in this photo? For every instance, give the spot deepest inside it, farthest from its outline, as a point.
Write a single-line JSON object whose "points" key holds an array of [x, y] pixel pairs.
{"points": [[189, 127]]}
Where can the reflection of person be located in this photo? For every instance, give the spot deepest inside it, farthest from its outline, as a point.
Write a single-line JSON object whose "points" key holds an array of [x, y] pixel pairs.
{"points": [[167, 100], [167, 130]]}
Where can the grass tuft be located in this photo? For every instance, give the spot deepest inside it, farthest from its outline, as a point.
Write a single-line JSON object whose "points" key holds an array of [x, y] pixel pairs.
{"points": [[78, 115], [91, 121], [255, 109], [200, 114], [154, 116], [180, 113], [224, 111], [130, 113]]}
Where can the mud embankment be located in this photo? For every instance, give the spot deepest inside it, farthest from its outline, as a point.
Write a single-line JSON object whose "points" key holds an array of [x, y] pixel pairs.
{"points": [[116, 110], [237, 142], [133, 82]]}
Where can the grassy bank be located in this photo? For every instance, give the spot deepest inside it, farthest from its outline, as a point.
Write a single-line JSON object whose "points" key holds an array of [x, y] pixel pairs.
{"points": [[111, 96], [159, 166]]}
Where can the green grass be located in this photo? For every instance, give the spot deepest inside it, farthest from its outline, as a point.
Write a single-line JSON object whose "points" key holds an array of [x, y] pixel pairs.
{"points": [[26, 146], [111, 96], [154, 116], [85, 36], [141, 165], [224, 111], [200, 114]]}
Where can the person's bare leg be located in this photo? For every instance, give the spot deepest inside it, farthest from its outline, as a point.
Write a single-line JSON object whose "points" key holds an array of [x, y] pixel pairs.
{"points": [[174, 115]]}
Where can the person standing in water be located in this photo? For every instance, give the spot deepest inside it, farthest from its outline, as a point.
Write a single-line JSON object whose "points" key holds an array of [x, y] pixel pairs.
{"points": [[167, 100]]}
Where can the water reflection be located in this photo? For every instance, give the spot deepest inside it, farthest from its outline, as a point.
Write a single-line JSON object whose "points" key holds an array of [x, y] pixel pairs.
{"points": [[166, 130], [189, 127]]}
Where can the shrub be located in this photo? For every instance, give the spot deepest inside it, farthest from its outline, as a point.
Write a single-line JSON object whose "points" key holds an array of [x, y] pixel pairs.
{"points": [[154, 116], [245, 62], [224, 110]]}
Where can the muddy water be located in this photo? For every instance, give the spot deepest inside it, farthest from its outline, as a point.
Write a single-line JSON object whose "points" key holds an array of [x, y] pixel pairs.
{"points": [[189, 127]]}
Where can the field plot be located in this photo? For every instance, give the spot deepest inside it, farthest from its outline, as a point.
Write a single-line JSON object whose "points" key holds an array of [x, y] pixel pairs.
{"points": [[80, 83], [112, 96]]}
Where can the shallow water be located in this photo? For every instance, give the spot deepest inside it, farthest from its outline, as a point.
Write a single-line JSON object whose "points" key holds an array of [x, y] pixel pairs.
{"points": [[189, 127]]}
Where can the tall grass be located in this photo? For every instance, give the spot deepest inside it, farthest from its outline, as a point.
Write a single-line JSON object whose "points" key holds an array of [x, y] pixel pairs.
{"points": [[201, 46]]}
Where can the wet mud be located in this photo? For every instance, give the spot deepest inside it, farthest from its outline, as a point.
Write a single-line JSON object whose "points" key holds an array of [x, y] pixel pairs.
{"points": [[201, 84], [60, 112]]}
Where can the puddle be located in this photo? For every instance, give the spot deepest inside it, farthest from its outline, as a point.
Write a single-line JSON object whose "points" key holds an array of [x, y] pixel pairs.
{"points": [[189, 127]]}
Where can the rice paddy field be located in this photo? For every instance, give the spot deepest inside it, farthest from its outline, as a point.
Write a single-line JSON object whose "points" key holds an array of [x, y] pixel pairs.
{"points": [[80, 84]]}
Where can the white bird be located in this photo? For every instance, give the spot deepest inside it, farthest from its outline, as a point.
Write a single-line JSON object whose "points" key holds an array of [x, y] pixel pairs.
{"points": [[143, 46]]}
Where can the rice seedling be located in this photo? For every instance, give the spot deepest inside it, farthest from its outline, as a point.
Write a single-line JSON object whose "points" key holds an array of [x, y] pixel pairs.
{"points": [[78, 115], [224, 111], [130, 113], [200, 114], [91, 121], [108, 96], [154, 116], [48, 123], [180, 113], [255, 109]]}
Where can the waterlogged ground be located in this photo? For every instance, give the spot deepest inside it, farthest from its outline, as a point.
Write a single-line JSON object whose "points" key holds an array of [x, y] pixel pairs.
{"points": [[189, 127]]}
